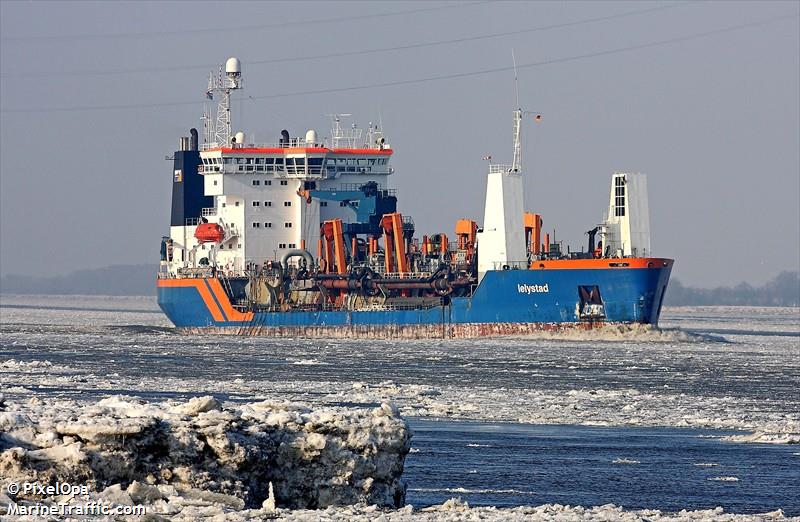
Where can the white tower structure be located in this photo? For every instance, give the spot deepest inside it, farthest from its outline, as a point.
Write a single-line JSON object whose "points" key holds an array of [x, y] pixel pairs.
{"points": [[220, 86], [626, 229], [501, 244]]}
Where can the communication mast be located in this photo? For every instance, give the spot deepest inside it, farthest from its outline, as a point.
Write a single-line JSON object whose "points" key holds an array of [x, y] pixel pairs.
{"points": [[220, 85]]}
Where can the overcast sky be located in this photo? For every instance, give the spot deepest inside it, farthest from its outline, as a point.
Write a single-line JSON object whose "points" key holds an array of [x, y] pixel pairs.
{"points": [[702, 97]]}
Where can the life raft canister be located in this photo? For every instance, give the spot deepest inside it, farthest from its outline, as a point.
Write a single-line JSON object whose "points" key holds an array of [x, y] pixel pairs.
{"points": [[209, 233]]}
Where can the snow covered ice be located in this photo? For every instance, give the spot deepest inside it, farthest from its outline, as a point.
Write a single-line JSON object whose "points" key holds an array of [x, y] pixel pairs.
{"points": [[201, 449], [722, 368]]}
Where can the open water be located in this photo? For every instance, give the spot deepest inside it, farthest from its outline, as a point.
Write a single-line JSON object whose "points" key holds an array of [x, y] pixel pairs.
{"points": [[632, 419]]}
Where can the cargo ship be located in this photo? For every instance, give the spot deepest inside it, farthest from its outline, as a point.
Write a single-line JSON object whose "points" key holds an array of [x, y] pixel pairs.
{"points": [[304, 237]]}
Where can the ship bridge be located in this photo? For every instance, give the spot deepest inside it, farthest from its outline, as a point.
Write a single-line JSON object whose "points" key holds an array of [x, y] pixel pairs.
{"points": [[298, 160]]}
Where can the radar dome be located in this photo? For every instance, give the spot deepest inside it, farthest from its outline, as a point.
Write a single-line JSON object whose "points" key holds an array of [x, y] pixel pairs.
{"points": [[233, 66], [239, 137], [311, 137]]}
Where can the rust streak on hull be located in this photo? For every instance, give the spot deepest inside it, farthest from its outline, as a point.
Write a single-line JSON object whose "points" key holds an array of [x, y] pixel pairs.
{"points": [[441, 331]]}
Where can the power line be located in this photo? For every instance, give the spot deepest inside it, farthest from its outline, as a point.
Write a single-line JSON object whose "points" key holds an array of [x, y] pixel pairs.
{"points": [[258, 27], [356, 52], [565, 59]]}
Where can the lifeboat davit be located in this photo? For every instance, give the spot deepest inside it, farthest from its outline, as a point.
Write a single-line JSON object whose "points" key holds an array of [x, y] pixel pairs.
{"points": [[209, 233]]}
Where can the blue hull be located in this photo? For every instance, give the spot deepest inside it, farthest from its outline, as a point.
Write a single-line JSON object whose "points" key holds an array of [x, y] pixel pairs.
{"points": [[505, 302]]}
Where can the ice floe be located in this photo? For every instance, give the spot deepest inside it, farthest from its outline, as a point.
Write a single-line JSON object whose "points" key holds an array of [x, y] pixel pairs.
{"points": [[177, 454]]}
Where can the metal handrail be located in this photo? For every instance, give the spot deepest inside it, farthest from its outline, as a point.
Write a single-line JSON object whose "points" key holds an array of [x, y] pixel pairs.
{"points": [[497, 168], [292, 143]]}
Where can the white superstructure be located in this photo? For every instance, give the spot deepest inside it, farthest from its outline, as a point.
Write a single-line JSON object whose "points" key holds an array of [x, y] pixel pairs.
{"points": [[625, 230], [501, 243], [259, 189]]}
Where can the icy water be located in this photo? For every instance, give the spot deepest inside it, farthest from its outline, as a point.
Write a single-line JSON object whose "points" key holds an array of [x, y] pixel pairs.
{"points": [[500, 464], [628, 405]]}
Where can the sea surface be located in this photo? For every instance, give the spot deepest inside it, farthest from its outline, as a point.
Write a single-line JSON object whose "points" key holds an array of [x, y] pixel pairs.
{"points": [[634, 418]]}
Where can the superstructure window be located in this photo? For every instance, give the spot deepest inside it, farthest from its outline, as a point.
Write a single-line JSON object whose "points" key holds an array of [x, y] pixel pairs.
{"points": [[292, 245], [287, 225], [287, 203], [323, 203], [281, 245], [256, 224], [268, 203], [619, 196], [268, 225], [256, 203], [267, 182], [256, 182], [284, 182]]}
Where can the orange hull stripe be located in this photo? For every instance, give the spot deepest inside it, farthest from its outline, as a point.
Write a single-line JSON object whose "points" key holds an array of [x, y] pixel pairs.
{"points": [[222, 297], [571, 264], [201, 288]]}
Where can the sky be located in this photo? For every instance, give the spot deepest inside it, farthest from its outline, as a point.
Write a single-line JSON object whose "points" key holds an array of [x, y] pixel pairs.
{"points": [[700, 96]]}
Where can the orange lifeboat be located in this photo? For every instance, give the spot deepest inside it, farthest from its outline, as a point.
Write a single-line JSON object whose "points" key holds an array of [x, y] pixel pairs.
{"points": [[209, 233]]}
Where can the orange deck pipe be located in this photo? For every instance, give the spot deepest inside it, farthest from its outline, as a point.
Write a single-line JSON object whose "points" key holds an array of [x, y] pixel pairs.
{"points": [[537, 233], [387, 251]]}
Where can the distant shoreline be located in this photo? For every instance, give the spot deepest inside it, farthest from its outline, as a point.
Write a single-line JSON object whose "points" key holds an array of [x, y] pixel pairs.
{"points": [[139, 281]]}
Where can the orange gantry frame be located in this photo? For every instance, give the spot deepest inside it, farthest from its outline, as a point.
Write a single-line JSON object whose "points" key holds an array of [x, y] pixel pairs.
{"points": [[533, 232], [394, 242], [332, 238], [466, 232]]}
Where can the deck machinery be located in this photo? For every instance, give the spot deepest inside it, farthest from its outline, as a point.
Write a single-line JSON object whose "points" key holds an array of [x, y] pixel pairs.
{"points": [[246, 218]]}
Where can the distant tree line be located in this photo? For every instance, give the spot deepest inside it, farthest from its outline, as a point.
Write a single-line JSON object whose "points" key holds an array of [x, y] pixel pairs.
{"points": [[111, 280], [783, 290]]}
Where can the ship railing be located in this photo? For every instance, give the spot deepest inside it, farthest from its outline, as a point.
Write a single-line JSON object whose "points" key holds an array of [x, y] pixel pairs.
{"points": [[511, 265], [299, 143], [404, 275], [209, 211], [499, 169], [328, 307], [195, 272]]}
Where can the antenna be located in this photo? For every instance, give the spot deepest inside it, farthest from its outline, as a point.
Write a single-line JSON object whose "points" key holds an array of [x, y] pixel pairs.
{"points": [[516, 162], [226, 80], [516, 83]]}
